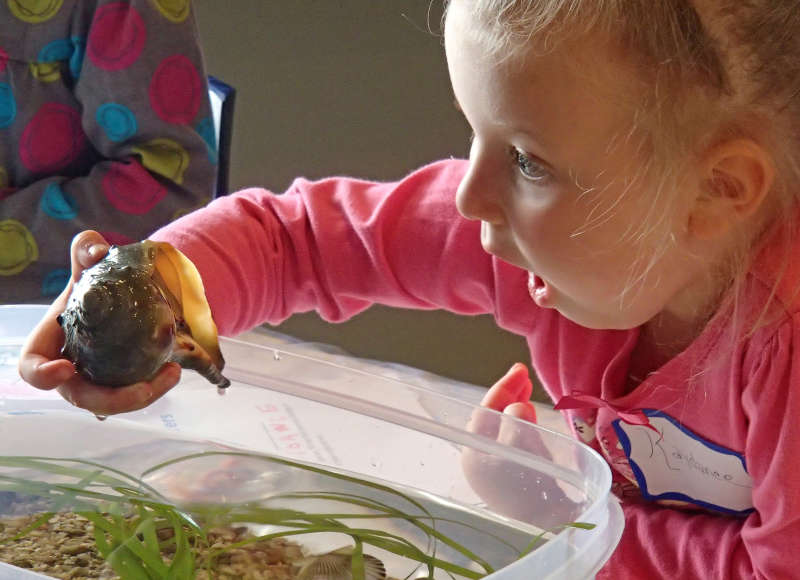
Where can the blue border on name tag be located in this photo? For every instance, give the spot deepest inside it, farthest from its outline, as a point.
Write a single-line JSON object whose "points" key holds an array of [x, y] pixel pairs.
{"points": [[674, 495]]}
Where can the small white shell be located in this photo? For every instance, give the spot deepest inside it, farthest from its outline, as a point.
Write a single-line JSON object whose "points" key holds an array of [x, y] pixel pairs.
{"points": [[338, 565]]}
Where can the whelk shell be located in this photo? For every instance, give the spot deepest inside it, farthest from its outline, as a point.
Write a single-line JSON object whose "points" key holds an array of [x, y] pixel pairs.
{"points": [[338, 565], [141, 306]]}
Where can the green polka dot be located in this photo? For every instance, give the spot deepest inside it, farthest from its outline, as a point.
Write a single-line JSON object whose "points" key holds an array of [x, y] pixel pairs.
{"points": [[34, 11], [17, 247]]}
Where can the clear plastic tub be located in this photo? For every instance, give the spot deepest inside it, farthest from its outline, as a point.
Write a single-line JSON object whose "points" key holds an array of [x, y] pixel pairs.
{"points": [[431, 447]]}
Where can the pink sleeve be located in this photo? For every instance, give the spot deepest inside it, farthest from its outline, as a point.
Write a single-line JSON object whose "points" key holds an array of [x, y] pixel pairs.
{"points": [[337, 246], [667, 543]]}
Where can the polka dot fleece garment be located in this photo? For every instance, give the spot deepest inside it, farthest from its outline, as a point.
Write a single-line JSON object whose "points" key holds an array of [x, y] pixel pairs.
{"points": [[105, 124]]}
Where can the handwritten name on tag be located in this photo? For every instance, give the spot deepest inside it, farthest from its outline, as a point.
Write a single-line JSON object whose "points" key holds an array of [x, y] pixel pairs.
{"points": [[681, 465]]}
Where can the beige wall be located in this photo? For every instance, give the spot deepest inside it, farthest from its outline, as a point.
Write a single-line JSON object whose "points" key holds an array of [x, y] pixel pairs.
{"points": [[356, 87]]}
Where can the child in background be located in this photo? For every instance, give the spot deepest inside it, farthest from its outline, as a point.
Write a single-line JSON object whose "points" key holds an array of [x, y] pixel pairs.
{"points": [[629, 206], [105, 123]]}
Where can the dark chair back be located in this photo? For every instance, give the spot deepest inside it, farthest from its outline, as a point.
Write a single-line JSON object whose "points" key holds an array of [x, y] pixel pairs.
{"points": [[223, 97]]}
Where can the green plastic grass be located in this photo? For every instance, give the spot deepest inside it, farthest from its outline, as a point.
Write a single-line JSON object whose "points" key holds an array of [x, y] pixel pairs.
{"points": [[127, 514]]}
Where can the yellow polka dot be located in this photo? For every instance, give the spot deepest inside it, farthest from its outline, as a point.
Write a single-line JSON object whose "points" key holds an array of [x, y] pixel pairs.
{"points": [[164, 157], [34, 11], [47, 72], [174, 10], [17, 248]]}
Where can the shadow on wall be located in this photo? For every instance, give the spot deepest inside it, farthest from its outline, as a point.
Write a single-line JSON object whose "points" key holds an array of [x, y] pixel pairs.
{"points": [[357, 88]]}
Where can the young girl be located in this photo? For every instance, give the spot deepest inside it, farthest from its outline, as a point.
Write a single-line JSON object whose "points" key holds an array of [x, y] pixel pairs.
{"points": [[632, 180]]}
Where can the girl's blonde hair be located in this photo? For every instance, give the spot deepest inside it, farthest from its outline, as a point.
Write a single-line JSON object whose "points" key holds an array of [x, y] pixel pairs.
{"points": [[709, 69]]}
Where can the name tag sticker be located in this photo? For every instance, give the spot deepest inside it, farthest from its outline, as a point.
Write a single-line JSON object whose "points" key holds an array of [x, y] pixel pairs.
{"points": [[681, 465]]}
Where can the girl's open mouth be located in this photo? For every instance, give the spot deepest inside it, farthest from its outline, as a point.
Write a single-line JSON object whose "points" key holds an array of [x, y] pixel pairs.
{"points": [[539, 291]]}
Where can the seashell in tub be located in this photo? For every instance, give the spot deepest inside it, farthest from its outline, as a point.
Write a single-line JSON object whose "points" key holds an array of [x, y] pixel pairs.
{"points": [[338, 565], [141, 306]]}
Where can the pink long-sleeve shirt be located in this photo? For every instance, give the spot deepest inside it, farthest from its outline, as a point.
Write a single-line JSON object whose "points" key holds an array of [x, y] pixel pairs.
{"points": [[725, 454]]}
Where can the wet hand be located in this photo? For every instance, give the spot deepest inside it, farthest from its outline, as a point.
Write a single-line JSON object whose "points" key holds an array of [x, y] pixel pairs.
{"points": [[42, 366], [507, 487], [512, 393]]}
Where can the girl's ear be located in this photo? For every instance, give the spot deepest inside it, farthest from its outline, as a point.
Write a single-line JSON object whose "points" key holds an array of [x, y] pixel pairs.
{"points": [[735, 178]]}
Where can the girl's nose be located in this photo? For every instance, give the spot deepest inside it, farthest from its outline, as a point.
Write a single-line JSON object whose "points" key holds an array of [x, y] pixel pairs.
{"points": [[476, 197]]}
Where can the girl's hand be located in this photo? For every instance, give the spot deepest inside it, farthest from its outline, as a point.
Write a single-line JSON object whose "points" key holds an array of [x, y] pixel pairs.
{"points": [[512, 393], [42, 366], [507, 487]]}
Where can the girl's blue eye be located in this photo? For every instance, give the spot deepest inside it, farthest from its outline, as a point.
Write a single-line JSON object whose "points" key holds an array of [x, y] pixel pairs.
{"points": [[529, 167]]}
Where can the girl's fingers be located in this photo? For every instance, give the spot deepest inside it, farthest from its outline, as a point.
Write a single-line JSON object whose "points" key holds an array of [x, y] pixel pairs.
{"points": [[519, 435], [88, 248], [111, 401], [524, 410], [40, 362], [484, 421], [512, 387], [43, 373]]}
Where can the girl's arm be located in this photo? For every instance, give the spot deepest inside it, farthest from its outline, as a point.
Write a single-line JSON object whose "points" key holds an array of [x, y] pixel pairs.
{"points": [[335, 246], [339, 245]]}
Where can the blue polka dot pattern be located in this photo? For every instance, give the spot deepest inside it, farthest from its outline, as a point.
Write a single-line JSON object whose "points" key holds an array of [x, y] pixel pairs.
{"points": [[65, 49], [209, 134], [57, 203], [117, 120], [54, 282], [76, 59], [56, 50], [8, 105], [61, 61]]}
